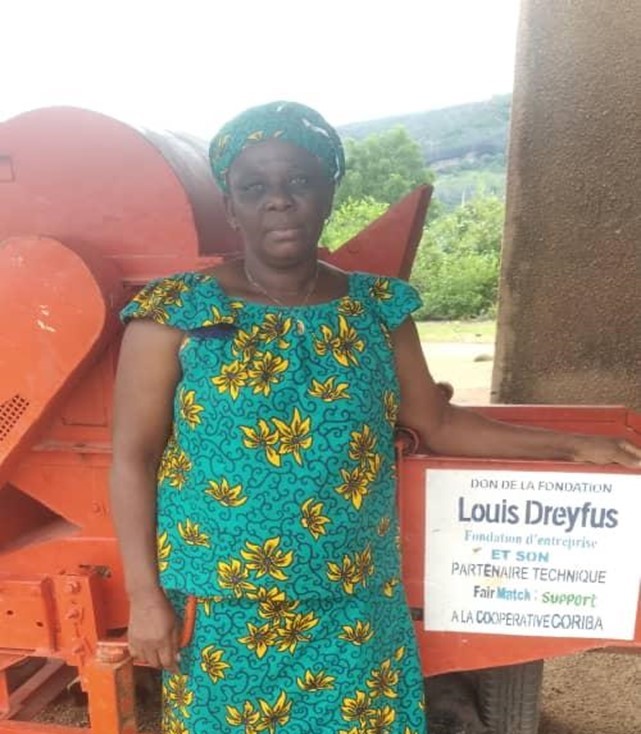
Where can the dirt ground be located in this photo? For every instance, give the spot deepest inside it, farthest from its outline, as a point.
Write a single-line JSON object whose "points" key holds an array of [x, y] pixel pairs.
{"points": [[594, 693], [467, 366]]}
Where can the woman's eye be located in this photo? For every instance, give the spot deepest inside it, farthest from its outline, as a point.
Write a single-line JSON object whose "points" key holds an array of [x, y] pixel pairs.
{"points": [[253, 187], [299, 181]]}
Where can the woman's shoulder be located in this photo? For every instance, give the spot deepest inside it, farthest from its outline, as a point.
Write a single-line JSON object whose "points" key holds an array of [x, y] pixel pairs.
{"points": [[392, 299], [183, 300]]}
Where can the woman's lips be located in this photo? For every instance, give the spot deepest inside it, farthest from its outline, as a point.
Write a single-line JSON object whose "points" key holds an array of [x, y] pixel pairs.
{"points": [[285, 233]]}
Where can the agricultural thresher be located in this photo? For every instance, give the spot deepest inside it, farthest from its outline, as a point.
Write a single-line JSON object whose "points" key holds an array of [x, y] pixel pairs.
{"points": [[90, 210]]}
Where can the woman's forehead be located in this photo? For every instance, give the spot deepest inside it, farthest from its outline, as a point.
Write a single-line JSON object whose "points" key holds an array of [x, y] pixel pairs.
{"points": [[274, 154]]}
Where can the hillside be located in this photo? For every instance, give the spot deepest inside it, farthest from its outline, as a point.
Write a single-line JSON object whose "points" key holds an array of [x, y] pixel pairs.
{"points": [[465, 146]]}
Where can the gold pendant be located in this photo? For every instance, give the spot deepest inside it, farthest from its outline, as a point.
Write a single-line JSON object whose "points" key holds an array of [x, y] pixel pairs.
{"points": [[300, 327]]}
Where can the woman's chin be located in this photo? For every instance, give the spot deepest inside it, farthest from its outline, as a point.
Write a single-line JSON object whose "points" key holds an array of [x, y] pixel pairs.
{"points": [[289, 250]]}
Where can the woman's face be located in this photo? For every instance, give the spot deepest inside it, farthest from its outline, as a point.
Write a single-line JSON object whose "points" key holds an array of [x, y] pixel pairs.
{"points": [[279, 197]]}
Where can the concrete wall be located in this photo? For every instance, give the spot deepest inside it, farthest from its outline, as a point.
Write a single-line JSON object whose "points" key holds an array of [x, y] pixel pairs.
{"points": [[570, 307]]}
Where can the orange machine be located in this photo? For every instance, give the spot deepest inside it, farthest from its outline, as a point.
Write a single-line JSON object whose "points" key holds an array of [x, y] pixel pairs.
{"points": [[90, 209]]}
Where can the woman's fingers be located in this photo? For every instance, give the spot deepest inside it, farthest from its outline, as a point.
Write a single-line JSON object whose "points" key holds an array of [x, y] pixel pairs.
{"points": [[605, 450], [161, 654], [150, 656], [628, 454], [153, 630], [167, 655]]}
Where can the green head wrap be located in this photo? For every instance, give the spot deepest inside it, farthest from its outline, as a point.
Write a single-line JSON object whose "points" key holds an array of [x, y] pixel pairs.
{"points": [[289, 121]]}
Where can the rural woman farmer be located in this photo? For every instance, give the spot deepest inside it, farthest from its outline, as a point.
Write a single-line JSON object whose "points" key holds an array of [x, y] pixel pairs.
{"points": [[253, 475]]}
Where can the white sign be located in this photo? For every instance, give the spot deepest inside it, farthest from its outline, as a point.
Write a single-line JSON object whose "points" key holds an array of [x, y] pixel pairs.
{"points": [[542, 554]]}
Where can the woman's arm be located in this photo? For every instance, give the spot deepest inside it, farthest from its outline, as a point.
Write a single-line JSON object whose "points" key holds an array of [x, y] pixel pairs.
{"points": [[451, 430], [148, 372]]}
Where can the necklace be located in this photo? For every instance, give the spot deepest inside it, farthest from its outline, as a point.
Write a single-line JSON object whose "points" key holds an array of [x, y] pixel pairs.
{"points": [[300, 325]]}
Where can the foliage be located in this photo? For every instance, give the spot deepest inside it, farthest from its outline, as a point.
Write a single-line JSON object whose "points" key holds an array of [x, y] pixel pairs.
{"points": [[457, 266], [464, 146], [450, 133], [349, 219], [457, 186], [384, 167]]}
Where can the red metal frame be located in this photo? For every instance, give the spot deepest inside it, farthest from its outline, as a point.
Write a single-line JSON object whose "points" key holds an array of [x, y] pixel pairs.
{"points": [[444, 652]]}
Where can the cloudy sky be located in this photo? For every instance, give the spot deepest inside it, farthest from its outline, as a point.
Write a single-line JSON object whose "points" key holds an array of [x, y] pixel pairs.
{"points": [[191, 65]]}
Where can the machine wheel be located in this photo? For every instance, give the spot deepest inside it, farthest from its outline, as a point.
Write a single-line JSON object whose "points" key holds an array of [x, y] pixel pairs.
{"points": [[509, 698]]}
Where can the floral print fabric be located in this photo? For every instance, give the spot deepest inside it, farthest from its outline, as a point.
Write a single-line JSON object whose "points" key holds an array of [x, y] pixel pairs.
{"points": [[276, 509]]}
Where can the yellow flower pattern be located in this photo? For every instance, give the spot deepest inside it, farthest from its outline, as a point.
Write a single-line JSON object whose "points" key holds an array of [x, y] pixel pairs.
{"points": [[313, 519], [233, 575], [231, 378], [212, 663], [174, 466], [275, 328], [155, 303], [189, 409], [344, 344], [391, 407], [265, 438], [294, 436], [351, 307], [191, 533], [293, 631], [384, 681], [177, 695], [312, 682], [357, 481], [265, 371], [286, 438], [216, 317], [248, 717], [163, 550], [357, 634], [274, 715], [245, 344], [353, 570], [258, 639], [276, 511], [273, 604], [227, 495], [328, 391], [267, 558], [381, 289]]}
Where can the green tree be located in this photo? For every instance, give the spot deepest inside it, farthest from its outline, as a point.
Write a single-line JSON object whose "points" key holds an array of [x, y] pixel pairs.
{"points": [[457, 266], [384, 167], [349, 219]]}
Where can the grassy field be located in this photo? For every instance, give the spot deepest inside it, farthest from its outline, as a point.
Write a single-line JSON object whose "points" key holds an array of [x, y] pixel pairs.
{"points": [[457, 331]]}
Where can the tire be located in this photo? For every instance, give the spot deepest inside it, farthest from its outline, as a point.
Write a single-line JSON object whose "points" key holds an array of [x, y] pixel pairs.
{"points": [[510, 697]]}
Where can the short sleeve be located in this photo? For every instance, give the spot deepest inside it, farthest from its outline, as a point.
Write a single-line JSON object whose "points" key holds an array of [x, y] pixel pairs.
{"points": [[165, 301], [394, 300]]}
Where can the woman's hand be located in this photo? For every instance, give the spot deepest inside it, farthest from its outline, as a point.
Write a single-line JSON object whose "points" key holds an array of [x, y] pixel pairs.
{"points": [[154, 630], [607, 450], [450, 430]]}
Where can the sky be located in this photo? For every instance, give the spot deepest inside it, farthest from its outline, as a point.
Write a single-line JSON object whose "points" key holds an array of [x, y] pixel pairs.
{"points": [[190, 65]]}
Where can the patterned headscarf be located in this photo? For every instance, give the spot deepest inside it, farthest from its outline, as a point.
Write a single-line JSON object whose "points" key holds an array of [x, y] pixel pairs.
{"points": [[289, 121]]}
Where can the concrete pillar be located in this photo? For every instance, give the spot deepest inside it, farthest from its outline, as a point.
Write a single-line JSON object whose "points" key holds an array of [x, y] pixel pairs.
{"points": [[570, 305]]}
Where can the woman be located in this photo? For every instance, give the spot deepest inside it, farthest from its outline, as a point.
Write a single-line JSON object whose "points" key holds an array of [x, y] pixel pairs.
{"points": [[253, 474]]}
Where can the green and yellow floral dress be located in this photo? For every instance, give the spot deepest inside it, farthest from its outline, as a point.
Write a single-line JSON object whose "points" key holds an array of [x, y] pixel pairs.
{"points": [[276, 511]]}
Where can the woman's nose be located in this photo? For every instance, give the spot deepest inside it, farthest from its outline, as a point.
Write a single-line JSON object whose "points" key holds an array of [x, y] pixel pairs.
{"points": [[278, 198]]}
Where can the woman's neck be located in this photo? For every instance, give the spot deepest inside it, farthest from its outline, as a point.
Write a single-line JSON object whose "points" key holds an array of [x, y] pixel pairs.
{"points": [[288, 284]]}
